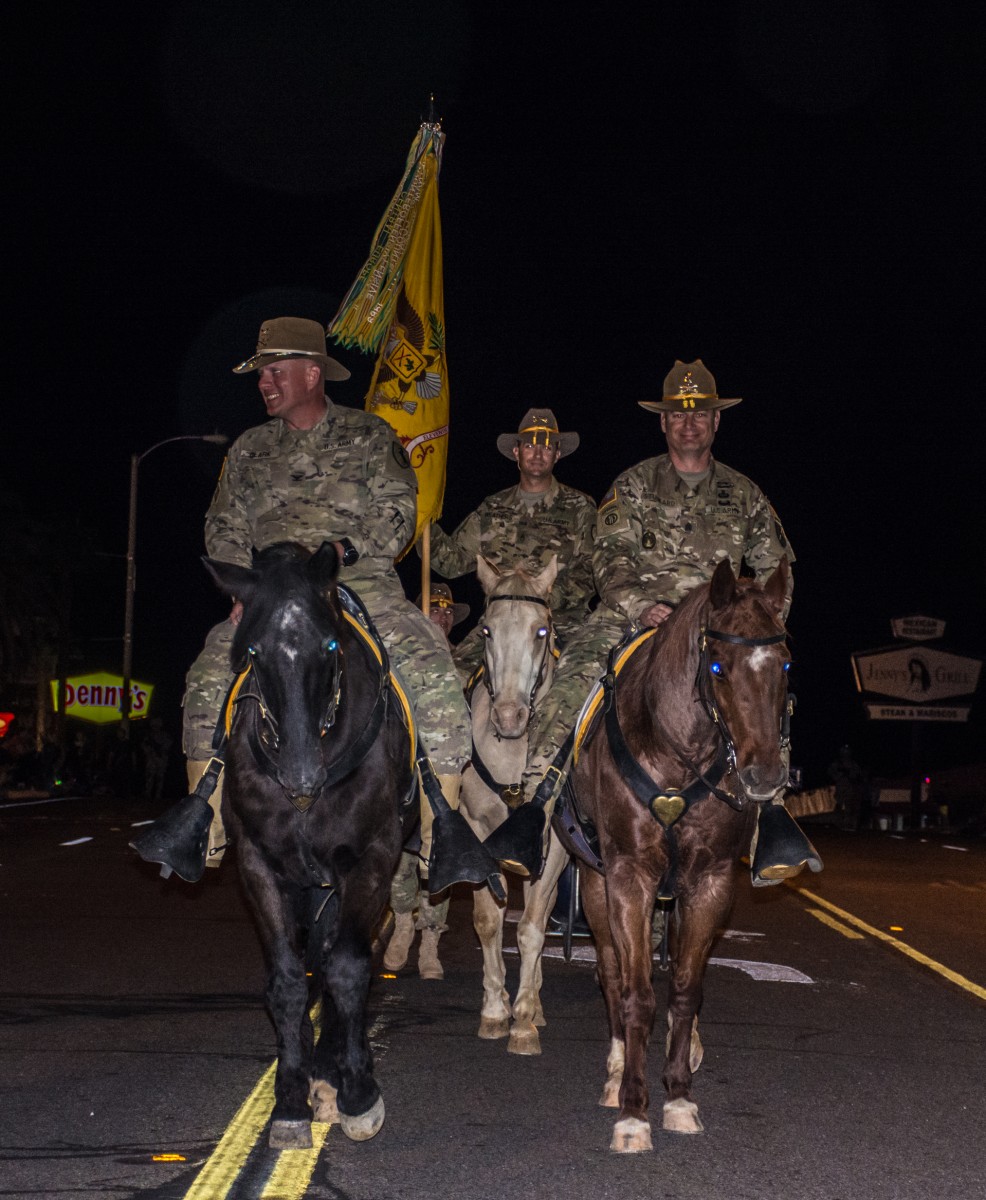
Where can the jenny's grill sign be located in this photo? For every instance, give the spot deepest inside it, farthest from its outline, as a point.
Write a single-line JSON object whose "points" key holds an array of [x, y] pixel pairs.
{"points": [[916, 673]]}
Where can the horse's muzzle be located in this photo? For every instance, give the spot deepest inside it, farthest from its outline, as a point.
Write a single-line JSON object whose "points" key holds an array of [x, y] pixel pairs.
{"points": [[510, 721], [762, 783]]}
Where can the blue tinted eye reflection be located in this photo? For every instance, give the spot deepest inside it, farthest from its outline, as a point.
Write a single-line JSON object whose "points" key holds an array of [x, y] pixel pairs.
{"points": [[715, 668], [787, 667]]}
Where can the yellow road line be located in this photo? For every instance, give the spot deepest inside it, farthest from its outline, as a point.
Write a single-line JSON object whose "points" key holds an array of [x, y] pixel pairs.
{"points": [[952, 976], [224, 1165], [294, 1168], [227, 1160], [820, 915]]}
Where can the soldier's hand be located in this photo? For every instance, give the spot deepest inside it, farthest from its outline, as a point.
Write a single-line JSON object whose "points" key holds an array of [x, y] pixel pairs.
{"points": [[656, 615], [236, 615]]}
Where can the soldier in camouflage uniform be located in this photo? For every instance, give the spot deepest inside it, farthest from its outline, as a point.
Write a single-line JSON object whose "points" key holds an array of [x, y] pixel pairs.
{"points": [[317, 472], [661, 530], [406, 892], [524, 526]]}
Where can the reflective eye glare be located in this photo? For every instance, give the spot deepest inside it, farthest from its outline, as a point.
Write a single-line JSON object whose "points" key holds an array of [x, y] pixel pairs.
{"points": [[787, 667], [542, 632], [252, 651], [332, 645], [486, 631], [715, 668]]}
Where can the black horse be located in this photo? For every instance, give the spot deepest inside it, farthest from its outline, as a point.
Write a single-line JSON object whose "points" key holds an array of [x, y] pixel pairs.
{"points": [[319, 800]]}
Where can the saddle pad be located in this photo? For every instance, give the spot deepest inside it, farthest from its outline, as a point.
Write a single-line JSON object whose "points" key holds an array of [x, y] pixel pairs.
{"points": [[590, 710]]}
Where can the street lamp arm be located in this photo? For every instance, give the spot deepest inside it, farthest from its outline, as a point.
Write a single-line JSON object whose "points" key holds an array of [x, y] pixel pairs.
{"points": [[217, 439]]}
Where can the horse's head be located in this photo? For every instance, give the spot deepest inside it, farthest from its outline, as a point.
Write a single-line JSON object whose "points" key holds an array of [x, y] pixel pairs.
{"points": [[519, 644], [742, 674], [289, 637]]}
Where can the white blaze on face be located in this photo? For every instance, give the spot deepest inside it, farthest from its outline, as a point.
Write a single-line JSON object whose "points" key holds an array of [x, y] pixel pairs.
{"points": [[286, 622], [760, 657]]}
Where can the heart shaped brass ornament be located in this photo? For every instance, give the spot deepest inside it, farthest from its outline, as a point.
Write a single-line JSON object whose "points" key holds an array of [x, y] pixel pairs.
{"points": [[667, 809]]}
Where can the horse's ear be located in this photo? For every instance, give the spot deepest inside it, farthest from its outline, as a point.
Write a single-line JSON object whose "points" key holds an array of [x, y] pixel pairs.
{"points": [[775, 589], [723, 586], [487, 572], [544, 582], [323, 566], [231, 579]]}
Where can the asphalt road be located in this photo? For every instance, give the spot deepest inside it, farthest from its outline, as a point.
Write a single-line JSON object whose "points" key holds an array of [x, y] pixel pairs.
{"points": [[133, 1031]]}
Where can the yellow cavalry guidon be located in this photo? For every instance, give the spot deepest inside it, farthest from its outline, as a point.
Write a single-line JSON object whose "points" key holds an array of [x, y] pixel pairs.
{"points": [[397, 306]]}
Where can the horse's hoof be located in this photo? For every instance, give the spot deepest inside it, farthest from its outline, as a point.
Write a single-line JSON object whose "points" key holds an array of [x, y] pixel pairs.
{"points": [[364, 1126], [631, 1136], [290, 1135], [681, 1116], [610, 1097], [524, 1041], [492, 1028], [322, 1097]]}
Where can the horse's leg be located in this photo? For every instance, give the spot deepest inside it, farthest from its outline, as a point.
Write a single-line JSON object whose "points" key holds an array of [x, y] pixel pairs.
{"points": [[287, 1001], [530, 941], [487, 919], [608, 973], [346, 1056], [701, 912], [630, 892]]}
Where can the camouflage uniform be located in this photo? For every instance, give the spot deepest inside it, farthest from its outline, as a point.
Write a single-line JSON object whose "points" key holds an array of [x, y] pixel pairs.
{"points": [[656, 539], [511, 533], [407, 894], [346, 477]]}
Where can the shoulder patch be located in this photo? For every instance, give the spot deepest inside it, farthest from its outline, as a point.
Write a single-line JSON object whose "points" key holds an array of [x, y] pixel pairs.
{"points": [[397, 464], [608, 499]]}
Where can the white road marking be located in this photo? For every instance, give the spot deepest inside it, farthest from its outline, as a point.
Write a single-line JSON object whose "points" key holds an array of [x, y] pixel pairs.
{"points": [[762, 972], [77, 842]]}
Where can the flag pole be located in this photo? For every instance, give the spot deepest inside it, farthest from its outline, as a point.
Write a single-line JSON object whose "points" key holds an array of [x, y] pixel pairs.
{"points": [[425, 549]]}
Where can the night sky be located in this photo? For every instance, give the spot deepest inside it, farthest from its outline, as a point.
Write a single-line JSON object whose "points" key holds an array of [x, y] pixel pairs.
{"points": [[789, 190]]}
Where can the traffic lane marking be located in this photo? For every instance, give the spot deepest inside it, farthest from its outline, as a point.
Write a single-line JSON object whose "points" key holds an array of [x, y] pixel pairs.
{"points": [[762, 972], [820, 915], [940, 968]]}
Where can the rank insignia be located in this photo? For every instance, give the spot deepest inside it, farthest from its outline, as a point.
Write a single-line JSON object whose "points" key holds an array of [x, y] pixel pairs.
{"points": [[649, 540]]}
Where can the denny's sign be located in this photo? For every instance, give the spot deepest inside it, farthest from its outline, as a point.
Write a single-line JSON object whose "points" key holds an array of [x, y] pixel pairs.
{"points": [[98, 697]]}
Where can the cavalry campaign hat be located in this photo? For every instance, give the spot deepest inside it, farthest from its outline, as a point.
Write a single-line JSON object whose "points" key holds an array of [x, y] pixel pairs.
{"points": [[292, 337], [441, 594], [537, 420], [688, 387]]}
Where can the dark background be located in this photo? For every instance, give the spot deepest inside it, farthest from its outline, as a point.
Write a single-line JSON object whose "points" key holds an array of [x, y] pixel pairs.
{"points": [[789, 190]]}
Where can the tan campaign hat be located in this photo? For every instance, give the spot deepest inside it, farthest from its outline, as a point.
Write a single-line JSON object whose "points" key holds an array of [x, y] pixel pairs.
{"points": [[688, 387], [441, 594], [537, 420], [292, 337]]}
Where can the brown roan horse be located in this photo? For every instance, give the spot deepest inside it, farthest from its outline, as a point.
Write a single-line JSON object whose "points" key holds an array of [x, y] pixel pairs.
{"points": [[704, 697]]}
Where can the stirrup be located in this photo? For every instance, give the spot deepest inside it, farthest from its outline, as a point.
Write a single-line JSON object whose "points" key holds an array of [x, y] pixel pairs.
{"points": [[518, 844], [458, 856], [178, 839], [782, 851]]}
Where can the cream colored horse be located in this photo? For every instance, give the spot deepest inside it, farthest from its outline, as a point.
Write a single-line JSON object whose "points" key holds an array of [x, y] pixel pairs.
{"points": [[519, 662]]}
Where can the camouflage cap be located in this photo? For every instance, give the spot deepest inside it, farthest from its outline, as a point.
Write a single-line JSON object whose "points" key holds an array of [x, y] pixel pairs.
{"points": [[441, 594], [537, 420], [688, 387], [292, 337]]}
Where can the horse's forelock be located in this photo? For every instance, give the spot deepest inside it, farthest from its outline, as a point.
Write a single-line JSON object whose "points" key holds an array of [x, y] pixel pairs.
{"points": [[514, 580]]}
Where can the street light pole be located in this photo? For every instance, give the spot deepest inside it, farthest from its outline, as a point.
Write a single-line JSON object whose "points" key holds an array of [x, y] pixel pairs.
{"points": [[126, 700]]}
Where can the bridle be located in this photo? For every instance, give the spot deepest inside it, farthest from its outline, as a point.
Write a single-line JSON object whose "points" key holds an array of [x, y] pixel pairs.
{"points": [[707, 673], [548, 648], [270, 739]]}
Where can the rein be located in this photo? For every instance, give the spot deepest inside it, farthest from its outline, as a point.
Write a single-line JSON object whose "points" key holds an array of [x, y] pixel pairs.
{"points": [[667, 804]]}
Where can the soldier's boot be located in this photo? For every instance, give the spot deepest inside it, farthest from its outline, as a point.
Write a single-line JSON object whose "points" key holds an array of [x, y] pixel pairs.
{"points": [[450, 851], [179, 839], [399, 945], [779, 849], [428, 965]]}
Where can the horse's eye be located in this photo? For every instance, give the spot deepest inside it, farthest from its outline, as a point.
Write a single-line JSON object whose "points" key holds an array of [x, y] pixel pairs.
{"points": [[787, 667], [542, 632], [331, 646], [715, 668], [486, 632], [252, 651]]}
